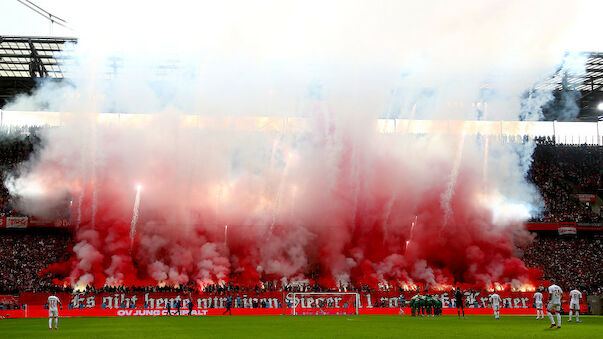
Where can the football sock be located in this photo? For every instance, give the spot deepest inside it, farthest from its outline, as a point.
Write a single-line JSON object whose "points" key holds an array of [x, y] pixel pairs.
{"points": [[551, 317]]}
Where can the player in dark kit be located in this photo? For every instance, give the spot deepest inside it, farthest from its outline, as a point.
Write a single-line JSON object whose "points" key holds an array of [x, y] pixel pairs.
{"points": [[431, 308], [228, 305], [190, 307], [458, 295], [421, 305], [178, 307], [437, 305], [428, 305], [414, 305], [169, 308]]}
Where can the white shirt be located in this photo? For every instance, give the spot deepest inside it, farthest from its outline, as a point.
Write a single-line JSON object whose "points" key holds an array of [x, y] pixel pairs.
{"points": [[575, 295], [538, 297], [53, 303], [555, 294], [495, 299]]}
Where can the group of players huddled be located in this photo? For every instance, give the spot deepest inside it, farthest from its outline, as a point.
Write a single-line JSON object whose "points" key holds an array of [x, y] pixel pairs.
{"points": [[430, 305], [425, 306]]}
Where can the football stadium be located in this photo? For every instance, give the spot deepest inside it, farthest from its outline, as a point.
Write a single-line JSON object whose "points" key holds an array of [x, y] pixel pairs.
{"points": [[316, 169]]}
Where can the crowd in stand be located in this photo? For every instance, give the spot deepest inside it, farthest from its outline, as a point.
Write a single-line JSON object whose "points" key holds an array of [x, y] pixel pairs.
{"points": [[24, 255], [558, 171], [14, 149], [571, 262], [562, 171]]}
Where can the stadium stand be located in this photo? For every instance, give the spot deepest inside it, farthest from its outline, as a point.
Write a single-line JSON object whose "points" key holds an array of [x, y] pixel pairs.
{"points": [[25, 253], [15, 147], [573, 262], [559, 171]]}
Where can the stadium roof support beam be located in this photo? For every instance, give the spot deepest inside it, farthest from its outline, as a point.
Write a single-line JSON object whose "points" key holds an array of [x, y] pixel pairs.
{"points": [[25, 60], [36, 65]]}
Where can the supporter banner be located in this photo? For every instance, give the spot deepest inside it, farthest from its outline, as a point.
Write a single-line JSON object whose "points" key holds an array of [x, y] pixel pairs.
{"points": [[567, 231], [586, 197], [66, 222], [554, 226], [62, 222], [8, 300], [59, 222], [37, 222], [590, 227], [267, 300], [23, 222], [567, 228], [16, 222]]}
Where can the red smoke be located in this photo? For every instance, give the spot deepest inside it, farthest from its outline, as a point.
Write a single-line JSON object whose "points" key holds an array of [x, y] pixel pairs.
{"points": [[340, 208]]}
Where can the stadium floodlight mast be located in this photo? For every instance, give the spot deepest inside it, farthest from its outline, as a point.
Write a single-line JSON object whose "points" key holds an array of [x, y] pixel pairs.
{"points": [[317, 303]]}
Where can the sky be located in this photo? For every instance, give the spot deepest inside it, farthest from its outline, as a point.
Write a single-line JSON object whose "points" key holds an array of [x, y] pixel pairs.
{"points": [[16, 19], [267, 18]]}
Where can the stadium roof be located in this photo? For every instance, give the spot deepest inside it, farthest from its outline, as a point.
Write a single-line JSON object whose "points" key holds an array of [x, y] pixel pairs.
{"points": [[24, 60], [589, 79], [33, 57]]}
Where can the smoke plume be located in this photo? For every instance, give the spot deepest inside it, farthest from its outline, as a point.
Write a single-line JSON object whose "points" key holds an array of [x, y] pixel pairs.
{"points": [[325, 195]]}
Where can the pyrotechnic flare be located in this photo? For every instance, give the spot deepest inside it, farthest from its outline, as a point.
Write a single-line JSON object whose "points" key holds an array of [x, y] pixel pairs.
{"points": [[135, 215], [453, 176]]}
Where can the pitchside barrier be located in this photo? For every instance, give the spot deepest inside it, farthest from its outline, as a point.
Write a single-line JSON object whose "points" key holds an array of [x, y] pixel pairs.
{"points": [[265, 303], [41, 312]]}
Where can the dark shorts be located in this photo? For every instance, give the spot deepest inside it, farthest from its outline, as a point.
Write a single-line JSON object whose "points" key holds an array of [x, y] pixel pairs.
{"points": [[459, 303]]}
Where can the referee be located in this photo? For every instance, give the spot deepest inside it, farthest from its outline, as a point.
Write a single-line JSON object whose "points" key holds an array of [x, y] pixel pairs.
{"points": [[458, 295]]}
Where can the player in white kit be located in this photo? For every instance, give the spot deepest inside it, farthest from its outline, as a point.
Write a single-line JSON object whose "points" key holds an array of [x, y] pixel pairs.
{"points": [[554, 304], [53, 311], [538, 304], [495, 301], [575, 297]]}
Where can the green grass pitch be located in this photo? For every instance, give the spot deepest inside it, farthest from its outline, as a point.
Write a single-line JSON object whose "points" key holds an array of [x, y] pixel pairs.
{"points": [[367, 326]]}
